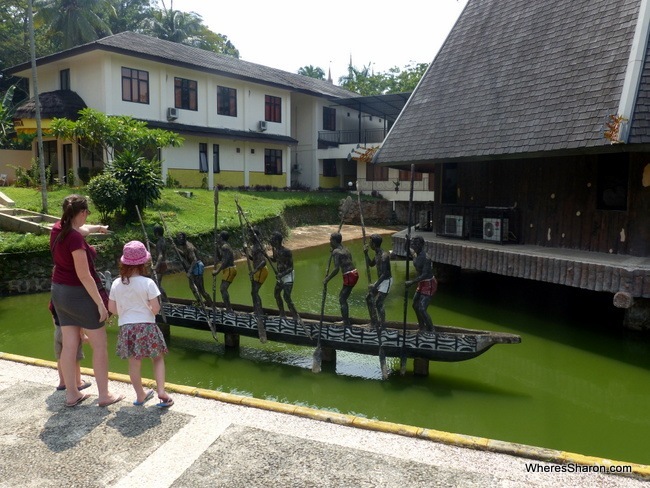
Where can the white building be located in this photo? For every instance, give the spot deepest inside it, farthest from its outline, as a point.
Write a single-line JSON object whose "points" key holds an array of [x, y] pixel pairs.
{"points": [[244, 124]]}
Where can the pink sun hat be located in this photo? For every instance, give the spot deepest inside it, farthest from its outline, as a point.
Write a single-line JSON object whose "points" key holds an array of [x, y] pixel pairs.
{"points": [[134, 253]]}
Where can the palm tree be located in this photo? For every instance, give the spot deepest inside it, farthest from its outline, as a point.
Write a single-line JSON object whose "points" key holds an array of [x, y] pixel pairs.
{"points": [[73, 22], [312, 72], [37, 105], [173, 25]]}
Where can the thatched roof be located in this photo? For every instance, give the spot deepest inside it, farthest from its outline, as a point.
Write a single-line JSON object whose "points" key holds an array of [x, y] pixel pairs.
{"points": [[59, 103], [522, 78]]}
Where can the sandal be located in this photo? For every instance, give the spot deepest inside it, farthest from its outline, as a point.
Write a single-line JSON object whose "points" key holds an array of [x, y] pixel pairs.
{"points": [[165, 403]]}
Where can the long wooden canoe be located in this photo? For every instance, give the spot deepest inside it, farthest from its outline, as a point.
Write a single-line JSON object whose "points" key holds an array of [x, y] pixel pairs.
{"points": [[445, 344]]}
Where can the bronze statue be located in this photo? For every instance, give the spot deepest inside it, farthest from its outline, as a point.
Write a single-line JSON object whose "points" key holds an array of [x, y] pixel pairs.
{"points": [[259, 272], [378, 291], [283, 257], [427, 284], [226, 266], [343, 261], [193, 265]]}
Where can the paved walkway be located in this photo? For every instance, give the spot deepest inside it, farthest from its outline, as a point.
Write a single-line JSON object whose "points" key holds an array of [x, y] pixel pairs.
{"points": [[234, 441]]}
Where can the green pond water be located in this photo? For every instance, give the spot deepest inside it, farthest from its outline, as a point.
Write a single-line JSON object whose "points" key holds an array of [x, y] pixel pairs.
{"points": [[575, 383]]}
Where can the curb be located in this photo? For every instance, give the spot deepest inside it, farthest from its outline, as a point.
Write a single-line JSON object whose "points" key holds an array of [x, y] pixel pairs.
{"points": [[571, 462]]}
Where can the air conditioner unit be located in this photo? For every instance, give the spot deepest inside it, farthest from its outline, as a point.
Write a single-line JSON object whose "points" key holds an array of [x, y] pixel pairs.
{"points": [[172, 113], [495, 229], [454, 225], [295, 167], [262, 125]]}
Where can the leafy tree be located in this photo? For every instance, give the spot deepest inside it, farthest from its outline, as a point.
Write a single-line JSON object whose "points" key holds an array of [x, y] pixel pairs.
{"points": [[365, 82], [73, 22], [108, 194], [211, 41], [173, 25], [113, 134], [126, 15], [141, 178], [312, 72]]}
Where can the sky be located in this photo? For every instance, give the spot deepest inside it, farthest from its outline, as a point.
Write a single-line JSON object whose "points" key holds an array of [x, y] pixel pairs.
{"points": [[290, 34]]}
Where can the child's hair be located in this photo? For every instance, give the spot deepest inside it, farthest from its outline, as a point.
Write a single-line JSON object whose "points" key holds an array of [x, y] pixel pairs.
{"points": [[128, 270]]}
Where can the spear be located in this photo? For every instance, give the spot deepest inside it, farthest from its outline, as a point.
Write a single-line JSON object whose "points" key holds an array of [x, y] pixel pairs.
{"points": [[192, 285], [153, 269], [380, 326], [258, 313], [406, 290]]}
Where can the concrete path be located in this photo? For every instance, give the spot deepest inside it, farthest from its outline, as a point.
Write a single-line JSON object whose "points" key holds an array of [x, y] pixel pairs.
{"points": [[206, 442]]}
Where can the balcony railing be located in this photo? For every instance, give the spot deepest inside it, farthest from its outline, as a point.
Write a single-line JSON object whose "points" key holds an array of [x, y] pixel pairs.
{"points": [[333, 138]]}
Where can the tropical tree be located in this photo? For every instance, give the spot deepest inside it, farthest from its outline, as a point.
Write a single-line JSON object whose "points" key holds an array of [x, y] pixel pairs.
{"points": [[113, 134], [395, 80], [211, 41], [312, 72], [126, 15], [73, 22], [173, 25]]}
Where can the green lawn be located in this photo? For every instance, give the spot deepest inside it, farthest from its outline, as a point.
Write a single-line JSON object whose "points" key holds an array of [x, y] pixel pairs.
{"points": [[194, 216]]}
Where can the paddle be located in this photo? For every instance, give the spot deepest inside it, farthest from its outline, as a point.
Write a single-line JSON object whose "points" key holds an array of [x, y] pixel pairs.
{"points": [[216, 254], [382, 354], [318, 353], [268, 258], [261, 331], [402, 359], [153, 269], [193, 287]]}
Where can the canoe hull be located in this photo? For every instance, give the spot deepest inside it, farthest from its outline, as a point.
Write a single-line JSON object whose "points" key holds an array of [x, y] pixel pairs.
{"points": [[446, 344]]}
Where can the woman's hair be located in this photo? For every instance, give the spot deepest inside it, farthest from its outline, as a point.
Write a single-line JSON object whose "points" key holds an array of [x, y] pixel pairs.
{"points": [[72, 206], [128, 270]]}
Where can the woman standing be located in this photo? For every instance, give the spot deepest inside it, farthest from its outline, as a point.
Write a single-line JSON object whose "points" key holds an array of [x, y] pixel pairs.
{"points": [[76, 298]]}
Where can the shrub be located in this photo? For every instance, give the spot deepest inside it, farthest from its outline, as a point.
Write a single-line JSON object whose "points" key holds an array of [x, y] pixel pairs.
{"points": [[107, 193], [172, 182], [142, 180]]}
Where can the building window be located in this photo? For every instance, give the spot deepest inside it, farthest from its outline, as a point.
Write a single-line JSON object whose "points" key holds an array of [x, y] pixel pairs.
{"points": [[135, 85], [613, 176], [329, 118], [216, 165], [329, 167], [226, 101], [374, 172], [203, 157], [405, 175], [185, 94], [272, 109], [64, 79], [272, 161]]}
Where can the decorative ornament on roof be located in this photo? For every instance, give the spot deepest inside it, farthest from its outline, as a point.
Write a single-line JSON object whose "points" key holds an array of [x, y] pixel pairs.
{"points": [[613, 129], [365, 155]]}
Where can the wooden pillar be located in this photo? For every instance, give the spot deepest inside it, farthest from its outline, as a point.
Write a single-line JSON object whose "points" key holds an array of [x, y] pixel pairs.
{"points": [[231, 340], [637, 316], [165, 329], [328, 355], [421, 367]]}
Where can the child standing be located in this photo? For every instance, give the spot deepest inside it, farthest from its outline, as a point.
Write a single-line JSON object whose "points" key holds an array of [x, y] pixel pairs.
{"points": [[134, 299]]}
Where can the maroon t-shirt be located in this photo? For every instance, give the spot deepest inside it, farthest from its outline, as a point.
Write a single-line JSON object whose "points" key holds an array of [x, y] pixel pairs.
{"points": [[64, 272]]}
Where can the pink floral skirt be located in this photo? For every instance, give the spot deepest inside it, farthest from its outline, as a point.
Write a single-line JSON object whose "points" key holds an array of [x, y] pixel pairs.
{"points": [[140, 341]]}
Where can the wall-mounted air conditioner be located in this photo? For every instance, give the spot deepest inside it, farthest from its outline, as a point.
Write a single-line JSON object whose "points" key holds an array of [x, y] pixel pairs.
{"points": [[262, 125], [495, 229], [172, 113], [454, 225]]}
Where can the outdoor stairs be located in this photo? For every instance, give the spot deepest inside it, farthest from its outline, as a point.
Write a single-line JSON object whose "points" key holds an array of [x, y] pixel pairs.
{"points": [[14, 219]]}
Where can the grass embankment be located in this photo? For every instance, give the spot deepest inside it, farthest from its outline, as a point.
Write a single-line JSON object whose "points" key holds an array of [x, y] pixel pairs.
{"points": [[273, 210]]}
